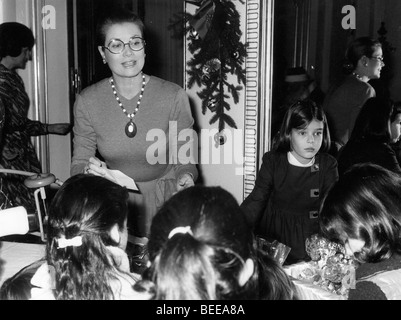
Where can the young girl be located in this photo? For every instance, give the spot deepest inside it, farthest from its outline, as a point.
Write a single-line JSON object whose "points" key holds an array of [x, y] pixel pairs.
{"points": [[200, 248], [362, 212], [292, 180], [87, 236]]}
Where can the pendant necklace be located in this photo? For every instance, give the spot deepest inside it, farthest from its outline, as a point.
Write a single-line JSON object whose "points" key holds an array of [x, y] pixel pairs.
{"points": [[130, 127]]}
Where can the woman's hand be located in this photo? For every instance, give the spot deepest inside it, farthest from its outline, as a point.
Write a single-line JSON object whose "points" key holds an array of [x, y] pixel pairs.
{"points": [[98, 168], [185, 181], [59, 128]]}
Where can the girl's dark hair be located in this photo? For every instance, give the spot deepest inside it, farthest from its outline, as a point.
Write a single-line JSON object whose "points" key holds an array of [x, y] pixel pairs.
{"points": [[205, 262], [365, 204], [117, 16], [363, 46], [372, 122], [87, 206], [299, 116], [18, 287], [13, 37]]}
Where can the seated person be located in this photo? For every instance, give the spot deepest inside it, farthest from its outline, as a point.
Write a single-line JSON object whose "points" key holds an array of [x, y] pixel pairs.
{"points": [[86, 239], [201, 248], [362, 212], [370, 139]]}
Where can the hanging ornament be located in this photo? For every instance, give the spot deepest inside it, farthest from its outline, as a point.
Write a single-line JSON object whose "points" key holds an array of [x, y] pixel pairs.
{"points": [[213, 105], [212, 66], [220, 138], [216, 52], [194, 34]]}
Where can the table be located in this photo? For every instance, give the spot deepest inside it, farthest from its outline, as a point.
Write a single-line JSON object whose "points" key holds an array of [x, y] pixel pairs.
{"points": [[15, 255]]}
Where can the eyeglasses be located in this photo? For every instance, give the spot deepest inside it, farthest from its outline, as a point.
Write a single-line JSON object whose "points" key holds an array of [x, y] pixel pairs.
{"points": [[380, 59], [116, 46]]}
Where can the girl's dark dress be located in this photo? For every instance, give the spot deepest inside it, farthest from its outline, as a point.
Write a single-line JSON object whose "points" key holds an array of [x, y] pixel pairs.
{"points": [[285, 201], [17, 151]]}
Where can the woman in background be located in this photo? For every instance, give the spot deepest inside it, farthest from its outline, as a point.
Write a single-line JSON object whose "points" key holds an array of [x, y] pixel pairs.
{"points": [[364, 61], [17, 150]]}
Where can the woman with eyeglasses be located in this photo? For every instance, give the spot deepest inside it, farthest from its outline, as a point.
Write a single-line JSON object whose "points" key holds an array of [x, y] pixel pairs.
{"points": [[364, 61], [137, 122]]}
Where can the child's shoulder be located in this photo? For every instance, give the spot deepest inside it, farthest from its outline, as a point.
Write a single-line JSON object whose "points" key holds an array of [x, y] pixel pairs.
{"points": [[274, 155], [327, 157]]}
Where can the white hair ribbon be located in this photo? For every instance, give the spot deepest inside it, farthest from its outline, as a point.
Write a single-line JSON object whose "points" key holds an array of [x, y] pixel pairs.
{"points": [[73, 242], [176, 230]]}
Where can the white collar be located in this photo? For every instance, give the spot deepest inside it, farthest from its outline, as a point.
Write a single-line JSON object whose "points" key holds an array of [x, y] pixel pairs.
{"points": [[294, 161]]}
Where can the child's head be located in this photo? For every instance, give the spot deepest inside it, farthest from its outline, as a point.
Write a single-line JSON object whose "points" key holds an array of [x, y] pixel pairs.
{"points": [[201, 247], [373, 121], [304, 130], [87, 214], [362, 211]]}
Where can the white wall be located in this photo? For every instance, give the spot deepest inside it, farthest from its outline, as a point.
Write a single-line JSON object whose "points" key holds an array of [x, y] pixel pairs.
{"points": [[228, 171], [58, 90]]}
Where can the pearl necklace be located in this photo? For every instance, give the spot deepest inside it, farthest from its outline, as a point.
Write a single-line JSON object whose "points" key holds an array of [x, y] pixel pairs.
{"points": [[130, 127], [357, 76]]}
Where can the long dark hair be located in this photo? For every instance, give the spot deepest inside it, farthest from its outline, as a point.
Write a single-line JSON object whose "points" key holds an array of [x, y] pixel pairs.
{"points": [[205, 261], [365, 204], [372, 122], [86, 206]]}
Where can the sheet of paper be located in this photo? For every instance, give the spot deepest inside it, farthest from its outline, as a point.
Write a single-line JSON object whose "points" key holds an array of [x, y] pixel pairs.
{"points": [[123, 180]]}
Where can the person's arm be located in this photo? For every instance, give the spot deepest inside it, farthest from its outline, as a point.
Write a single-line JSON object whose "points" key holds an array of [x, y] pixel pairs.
{"points": [[84, 138], [255, 203], [185, 169], [37, 128]]}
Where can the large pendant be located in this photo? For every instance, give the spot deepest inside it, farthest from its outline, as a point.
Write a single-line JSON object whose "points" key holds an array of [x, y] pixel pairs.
{"points": [[130, 129]]}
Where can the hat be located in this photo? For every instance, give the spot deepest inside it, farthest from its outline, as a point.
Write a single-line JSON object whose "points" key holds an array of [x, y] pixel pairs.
{"points": [[296, 74]]}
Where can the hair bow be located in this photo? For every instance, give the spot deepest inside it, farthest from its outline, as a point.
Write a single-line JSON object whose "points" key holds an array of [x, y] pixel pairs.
{"points": [[176, 230], [73, 242]]}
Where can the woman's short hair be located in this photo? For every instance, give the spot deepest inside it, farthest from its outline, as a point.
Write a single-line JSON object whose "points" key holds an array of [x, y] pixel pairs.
{"points": [[117, 16], [299, 116], [363, 46], [365, 204], [14, 37]]}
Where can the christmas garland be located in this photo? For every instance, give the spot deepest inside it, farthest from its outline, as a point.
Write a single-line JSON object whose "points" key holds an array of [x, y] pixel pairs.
{"points": [[213, 35]]}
